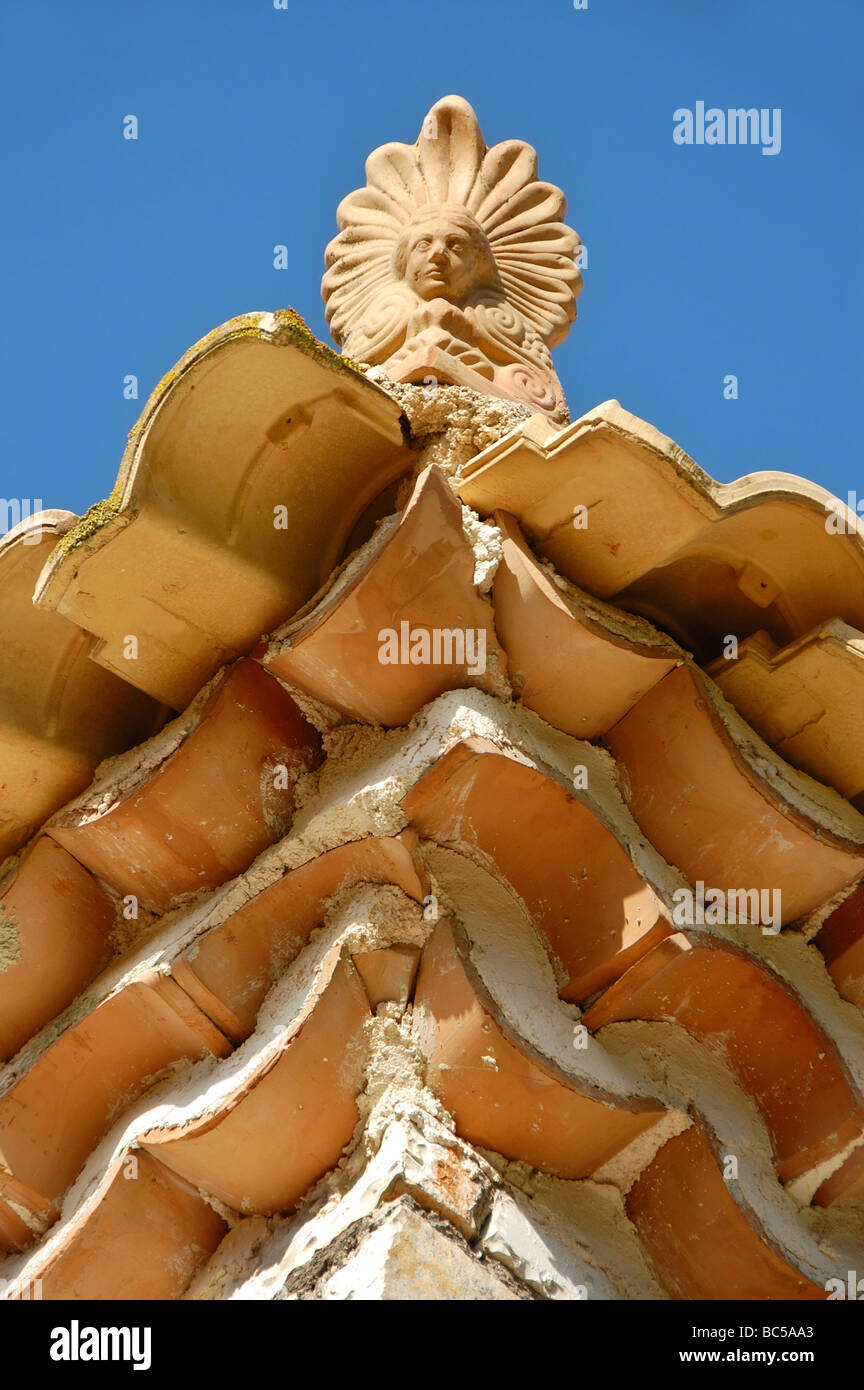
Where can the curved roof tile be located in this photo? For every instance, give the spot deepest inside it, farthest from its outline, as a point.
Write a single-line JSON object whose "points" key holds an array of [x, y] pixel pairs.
{"points": [[247, 472], [659, 537], [49, 741]]}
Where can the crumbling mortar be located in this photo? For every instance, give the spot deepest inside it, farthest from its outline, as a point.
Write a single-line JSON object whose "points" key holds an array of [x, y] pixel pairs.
{"points": [[450, 425], [10, 940]]}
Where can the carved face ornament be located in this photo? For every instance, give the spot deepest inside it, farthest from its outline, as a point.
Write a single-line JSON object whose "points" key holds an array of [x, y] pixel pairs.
{"points": [[444, 254], [447, 219]]}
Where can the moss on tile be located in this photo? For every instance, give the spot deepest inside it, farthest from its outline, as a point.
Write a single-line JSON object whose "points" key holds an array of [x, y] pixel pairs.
{"points": [[92, 521], [290, 327], [293, 327]]}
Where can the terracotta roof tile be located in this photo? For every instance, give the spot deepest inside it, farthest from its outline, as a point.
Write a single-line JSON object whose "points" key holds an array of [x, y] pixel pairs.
{"points": [[293, 1115], [388, 974], [804, 699], [49, 741], [359, 984], [417, 578], [747, 1014], [698, 558], [841, 942], [596, 912], [58, 922], [230, 970], [53, 1116], [846, 1183], [24, 1214], [700, 1242], [158, 829], [716, 802], [501, 1096], [144, 1238], [575, 660], [190, 554]]}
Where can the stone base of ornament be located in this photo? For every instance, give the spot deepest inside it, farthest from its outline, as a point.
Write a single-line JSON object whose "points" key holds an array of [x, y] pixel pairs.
{"points": [[432, 366]]}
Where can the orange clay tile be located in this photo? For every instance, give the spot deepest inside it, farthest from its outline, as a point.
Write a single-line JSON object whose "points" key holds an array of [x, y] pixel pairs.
{"points": [[243, 479], [419, 573], [229, 971], [578, 662], [204, 813], [722, 809], [388, 974], [144, 1240], [54, 1115], [50, 741], [804, 700], [701, 1243], [56, 922], [15, 1234], [841, 942], [577, 881], [698, 558], [500, 1093], [845, 1184], [289, 1123], [778, 1054], [24, 1214]]}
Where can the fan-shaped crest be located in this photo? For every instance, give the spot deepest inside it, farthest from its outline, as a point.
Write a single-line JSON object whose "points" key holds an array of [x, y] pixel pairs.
{"points": [[520, 217]]}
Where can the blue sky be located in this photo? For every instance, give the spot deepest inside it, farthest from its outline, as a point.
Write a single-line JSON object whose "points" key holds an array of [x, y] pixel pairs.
{"points": [[254, 122]]}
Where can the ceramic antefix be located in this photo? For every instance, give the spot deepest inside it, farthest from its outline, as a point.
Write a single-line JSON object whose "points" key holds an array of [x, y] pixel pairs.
{"points": [[453, 265]]}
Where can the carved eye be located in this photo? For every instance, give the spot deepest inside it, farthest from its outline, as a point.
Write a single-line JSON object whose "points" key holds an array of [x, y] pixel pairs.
{"points": [[422, 244], [455, 243]]}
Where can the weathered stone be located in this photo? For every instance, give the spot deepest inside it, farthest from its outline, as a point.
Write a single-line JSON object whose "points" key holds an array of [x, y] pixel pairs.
{"points": [[406, 1258]]}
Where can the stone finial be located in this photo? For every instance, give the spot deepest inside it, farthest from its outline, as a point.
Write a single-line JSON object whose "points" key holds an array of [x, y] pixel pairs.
{"points": [[453, 264]]}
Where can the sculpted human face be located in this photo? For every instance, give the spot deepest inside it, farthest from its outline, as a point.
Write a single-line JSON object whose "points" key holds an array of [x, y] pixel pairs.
{"points": [[442, 260]]}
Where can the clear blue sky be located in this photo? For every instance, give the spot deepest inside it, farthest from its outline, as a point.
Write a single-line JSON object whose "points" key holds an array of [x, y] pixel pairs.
{"points": [[254, 122]]}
